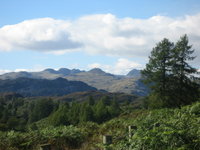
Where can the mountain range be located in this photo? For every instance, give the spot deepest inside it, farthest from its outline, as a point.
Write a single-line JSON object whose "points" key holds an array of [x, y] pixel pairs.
{"points": [[43, 87], [97, 78]]}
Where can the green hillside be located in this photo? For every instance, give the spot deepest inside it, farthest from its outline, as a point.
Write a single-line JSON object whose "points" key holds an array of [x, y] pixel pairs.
{"points": [[43, 87], [176, 129]]}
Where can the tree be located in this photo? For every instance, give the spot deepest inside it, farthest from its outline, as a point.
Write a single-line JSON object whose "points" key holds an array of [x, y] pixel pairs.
{"points": [[41, 109], [101, 112], [170, 77], [12, 122], [156, 73], [183, 74], [60, 116], [106, 100], [91, 101], [87, 114], [74, 113], [114, 109]]}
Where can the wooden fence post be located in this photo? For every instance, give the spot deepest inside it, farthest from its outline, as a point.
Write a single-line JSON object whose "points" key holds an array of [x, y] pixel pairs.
{"points": [[130, 130], [107, 140]]}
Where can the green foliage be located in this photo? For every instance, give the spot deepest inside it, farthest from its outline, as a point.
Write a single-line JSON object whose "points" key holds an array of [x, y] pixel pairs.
{"points": [[171, 79], [69, 136], [87, 114], [156, 129], [165, 129], [91, 101], [41, 109], [60, 117], [186, 89], [75, 113], [59, 137], [195, 109], [101, 112], [12, 122], [114, 109]]}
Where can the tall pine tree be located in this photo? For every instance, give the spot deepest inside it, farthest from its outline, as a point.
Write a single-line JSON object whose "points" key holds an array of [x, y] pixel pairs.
{"points": [[170, 77], [185, 87], [156, 73]]}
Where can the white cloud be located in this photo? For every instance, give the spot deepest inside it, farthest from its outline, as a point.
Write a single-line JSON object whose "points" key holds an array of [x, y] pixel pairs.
{"points": [[18, 70], [95, 65], [4, 71], [45, 34], [99, 34], [35, 68], [121, 67]]}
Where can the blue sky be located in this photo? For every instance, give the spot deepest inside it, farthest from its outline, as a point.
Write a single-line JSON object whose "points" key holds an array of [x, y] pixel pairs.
{"points": [[115, 35]]}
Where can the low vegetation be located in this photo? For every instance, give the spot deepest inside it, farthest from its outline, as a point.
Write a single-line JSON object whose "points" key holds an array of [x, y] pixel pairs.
{"points": [[156, 129]]}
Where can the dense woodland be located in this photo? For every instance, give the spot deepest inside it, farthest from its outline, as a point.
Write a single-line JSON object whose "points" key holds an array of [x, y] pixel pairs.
{"points": [[19, 113], [168, 118]]}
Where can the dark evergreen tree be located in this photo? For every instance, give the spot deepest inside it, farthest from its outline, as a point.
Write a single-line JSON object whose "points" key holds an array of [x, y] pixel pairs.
{"points": [[106, 100], [87, 114], [114, 109], [91, 101], [170, 77], [101, 112], [60, 117], [42, 108], [5, 115], [12, 122], [185, 85], [157, 71], [74, 113]]}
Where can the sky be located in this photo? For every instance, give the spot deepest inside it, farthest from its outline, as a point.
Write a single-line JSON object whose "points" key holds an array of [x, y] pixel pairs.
{"points": [[114, 35]]}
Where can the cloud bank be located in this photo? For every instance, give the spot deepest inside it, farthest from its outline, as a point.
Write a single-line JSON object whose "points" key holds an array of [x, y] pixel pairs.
{"points": [[103, 34], [121, 67]]}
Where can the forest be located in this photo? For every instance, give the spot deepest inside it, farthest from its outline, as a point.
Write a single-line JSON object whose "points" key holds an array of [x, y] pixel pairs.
{"points": [[168, 118]]}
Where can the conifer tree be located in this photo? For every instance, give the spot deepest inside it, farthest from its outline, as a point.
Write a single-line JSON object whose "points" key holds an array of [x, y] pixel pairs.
{"points": [[156, 73], [87, 114], [114, 109], [171, 79], [74, 113], [91, 101], [60, 116], [101, 112], [185, 87]]}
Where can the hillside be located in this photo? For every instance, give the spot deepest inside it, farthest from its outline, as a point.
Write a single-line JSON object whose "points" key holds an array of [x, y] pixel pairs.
{"points": [[45, 74], [112, 83], [157, 129], [96, 77], [96, 95], [43, 87]]}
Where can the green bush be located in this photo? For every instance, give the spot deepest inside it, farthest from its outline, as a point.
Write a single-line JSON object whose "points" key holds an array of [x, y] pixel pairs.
{"points": [[173, 129], [59, 137]]}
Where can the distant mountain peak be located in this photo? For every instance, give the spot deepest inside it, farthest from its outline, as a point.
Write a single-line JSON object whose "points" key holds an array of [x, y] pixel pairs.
{"points": [[134, 73], [64, 71], [97, 71], [74, 71], [50, 70]]}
